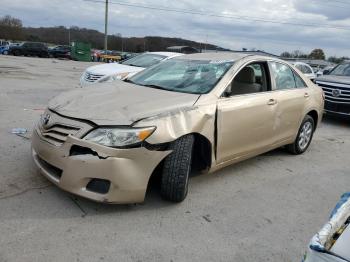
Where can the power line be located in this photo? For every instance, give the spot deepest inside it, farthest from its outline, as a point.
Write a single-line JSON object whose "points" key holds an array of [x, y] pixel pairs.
{"points": [[334, 3], [236, 17], [338, 1]]}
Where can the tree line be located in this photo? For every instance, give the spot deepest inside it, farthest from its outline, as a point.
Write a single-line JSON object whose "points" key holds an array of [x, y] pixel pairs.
{"points": [[314, 54], [12, 29]]}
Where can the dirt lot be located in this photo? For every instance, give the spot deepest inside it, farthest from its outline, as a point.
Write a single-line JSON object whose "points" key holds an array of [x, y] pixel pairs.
{"points": [[264, 209]]}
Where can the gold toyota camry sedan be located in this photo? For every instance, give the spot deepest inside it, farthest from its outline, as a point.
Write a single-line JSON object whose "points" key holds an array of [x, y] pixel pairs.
{"points": [[195, 112]]}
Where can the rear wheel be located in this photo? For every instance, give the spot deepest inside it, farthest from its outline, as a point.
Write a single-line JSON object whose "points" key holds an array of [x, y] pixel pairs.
{"points": [[176, 169], [304, 136]]}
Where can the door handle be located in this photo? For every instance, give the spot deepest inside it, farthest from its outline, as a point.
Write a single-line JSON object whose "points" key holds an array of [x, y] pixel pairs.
{"points": [[306, 95], [272, 102]]}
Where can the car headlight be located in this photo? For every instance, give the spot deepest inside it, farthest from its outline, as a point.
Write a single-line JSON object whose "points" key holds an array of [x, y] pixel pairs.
{"points": [[119, 137], [114, 77]]}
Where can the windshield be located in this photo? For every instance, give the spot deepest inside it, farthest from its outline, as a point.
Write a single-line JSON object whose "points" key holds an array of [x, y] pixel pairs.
{"points": [[341, 70], [182, 75], [144, 60]]}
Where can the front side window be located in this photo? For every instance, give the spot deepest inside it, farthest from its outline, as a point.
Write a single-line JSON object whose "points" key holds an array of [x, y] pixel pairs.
{"points": [[283, 75], [251, 79], [183, 75], [144, 60]]}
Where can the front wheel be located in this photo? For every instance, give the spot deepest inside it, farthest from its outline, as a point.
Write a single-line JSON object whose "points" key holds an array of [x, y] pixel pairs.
{"points": [[176, 169], [304, 136]]}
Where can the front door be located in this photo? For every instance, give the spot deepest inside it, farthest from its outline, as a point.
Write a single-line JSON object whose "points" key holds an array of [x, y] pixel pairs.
{"points": [[245, 117]]}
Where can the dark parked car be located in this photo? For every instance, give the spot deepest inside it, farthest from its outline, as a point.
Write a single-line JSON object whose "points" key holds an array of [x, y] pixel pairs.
{"points": [[30, 49], [60, 51], [336, 87]]}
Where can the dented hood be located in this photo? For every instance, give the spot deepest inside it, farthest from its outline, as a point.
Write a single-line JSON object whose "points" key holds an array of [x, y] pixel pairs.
{"points": [[119, 103]]}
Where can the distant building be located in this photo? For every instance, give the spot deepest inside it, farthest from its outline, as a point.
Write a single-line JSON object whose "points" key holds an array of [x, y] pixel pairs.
{"points": [[182, 49]]}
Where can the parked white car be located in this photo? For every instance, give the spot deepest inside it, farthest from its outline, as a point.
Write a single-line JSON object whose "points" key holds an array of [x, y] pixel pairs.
{"points": [[306, 70], [332, 242], [113, 71]]}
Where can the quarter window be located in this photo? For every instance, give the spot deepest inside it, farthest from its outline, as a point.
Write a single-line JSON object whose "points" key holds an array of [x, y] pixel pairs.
{"points": [[299, 82], [284, 76]]}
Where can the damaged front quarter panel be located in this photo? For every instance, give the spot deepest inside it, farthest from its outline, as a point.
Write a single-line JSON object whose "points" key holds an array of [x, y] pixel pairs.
{"points": [[171, 125]]}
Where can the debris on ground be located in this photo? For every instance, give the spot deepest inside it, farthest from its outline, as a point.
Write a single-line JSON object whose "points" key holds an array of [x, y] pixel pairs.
{"points": [[207, 218], [19, 130], [33, 109]]}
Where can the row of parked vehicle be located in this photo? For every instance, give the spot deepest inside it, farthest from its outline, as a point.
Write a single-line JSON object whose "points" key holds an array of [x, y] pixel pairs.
{"points": [[59, 51], [334, 81], [34, 49]]}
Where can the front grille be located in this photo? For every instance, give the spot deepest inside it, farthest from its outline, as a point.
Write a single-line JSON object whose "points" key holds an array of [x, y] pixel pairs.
{"points": [[89, 77], [336, 93], [56, 130], [57, 133], [337, 97]]}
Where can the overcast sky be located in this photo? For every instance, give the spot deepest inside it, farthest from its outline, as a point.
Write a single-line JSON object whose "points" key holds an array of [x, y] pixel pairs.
{"points": [[229, 33]]}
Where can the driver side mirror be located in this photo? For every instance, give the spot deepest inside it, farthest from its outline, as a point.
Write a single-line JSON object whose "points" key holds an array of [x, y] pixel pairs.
{"points": [[326, 72]]}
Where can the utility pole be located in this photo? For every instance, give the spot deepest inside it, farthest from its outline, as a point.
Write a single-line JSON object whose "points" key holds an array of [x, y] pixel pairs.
{"points": [[106, 25]]}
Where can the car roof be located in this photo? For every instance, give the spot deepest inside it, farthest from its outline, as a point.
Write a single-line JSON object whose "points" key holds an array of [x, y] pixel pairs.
{"points": [[217, 56]]}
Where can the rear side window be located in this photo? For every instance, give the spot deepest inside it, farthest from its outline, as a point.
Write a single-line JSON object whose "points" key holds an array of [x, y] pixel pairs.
{"points": [[283, 75]]}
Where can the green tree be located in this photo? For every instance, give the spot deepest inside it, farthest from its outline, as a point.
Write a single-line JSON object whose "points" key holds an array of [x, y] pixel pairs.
{"points": [[317, 54], [286, 55]]}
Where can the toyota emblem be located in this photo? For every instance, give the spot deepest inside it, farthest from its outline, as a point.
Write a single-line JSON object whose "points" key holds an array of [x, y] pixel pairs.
{"points": [[336, 92], [45, 119]]}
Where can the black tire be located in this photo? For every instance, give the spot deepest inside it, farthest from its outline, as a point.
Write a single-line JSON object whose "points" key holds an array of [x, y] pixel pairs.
{"points": [[17, 53], [295, 148], [44, 55], [176, 169]]}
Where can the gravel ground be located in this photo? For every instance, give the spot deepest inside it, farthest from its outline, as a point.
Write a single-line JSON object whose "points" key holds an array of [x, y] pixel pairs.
{"points": [[263, 209]]}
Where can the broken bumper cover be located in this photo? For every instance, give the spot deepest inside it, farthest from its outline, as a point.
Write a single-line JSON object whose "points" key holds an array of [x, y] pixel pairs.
{"points": [[127, 171]]}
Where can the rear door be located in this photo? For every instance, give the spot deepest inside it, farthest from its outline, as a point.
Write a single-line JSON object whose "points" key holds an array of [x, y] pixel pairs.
{"points": [[291, 94], [38, 48]]}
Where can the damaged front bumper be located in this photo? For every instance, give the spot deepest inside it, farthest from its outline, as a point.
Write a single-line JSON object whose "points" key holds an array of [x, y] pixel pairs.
{"points": [[96, 172]]}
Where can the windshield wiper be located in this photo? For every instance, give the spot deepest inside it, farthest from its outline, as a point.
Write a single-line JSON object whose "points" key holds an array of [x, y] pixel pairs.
{"points": [[132, 65], [156, 87], [128, 81]]}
